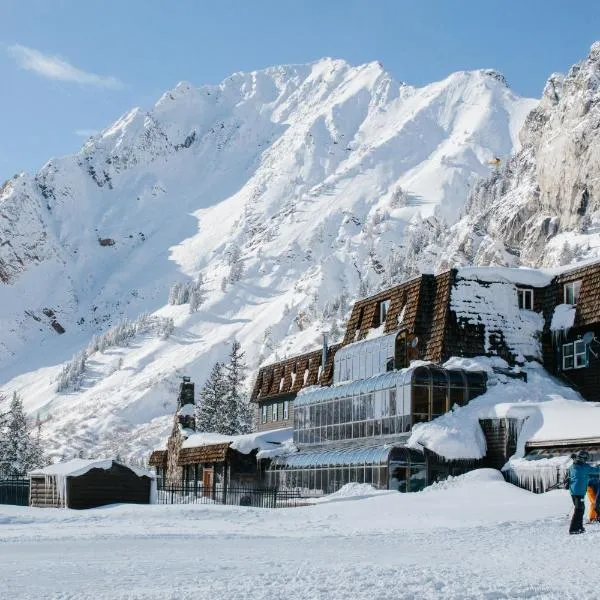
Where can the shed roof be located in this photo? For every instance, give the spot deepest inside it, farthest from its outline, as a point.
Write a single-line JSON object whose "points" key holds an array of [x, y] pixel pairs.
{"points": [[80, 466]]}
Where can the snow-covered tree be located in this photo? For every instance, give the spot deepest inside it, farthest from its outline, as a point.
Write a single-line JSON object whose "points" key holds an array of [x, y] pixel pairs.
{"points": [[211, 400], [236, 265], [71, 374], [20, 453], [236, 410], [197, 294]]}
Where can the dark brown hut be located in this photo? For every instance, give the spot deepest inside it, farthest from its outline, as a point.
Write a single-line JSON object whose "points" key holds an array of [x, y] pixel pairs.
{"points": [[80, 483]]}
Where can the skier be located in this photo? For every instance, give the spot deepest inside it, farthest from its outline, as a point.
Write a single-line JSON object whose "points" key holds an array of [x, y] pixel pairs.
{"points": [[579, 472], [593, 494]]}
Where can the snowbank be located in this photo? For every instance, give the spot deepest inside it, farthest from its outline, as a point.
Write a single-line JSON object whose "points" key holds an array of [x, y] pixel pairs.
{"points": [[262, 440]]}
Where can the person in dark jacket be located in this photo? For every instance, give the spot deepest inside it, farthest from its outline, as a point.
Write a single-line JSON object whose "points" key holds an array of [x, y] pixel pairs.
{"points": [[579, 472]]}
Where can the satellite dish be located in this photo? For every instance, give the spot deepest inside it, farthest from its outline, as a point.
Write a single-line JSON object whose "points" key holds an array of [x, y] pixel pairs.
{"points": [[414, 342], [588, 338]]}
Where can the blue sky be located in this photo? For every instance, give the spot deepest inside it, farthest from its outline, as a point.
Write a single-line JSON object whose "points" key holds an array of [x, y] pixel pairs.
{"points": [[69, 67]]}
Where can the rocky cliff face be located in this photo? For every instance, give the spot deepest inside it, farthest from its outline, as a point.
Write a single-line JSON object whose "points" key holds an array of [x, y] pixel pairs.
{"points": [[542, 207]]}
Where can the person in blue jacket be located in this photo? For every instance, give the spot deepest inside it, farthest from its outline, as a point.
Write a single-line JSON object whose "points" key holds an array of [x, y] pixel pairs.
{"points": [[579, 472]]}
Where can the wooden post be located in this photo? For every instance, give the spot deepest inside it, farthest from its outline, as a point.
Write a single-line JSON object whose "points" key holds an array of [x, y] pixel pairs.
{"points": [[225, 483]]}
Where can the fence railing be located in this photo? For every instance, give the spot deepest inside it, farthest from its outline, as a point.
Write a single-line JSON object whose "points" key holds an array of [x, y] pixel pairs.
{"points": [[14, 490], [260, 497]]}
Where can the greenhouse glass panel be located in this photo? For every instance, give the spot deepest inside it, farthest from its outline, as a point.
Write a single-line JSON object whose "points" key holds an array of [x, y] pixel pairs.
{"points": [[421, 376], [439, 377], [439, 401]]}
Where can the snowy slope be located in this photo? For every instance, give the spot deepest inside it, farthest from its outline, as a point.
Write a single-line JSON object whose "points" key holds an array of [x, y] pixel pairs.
{"points": [[306, 181]]}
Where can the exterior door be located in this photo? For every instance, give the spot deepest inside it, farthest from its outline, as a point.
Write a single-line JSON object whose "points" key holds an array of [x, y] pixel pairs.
{"points": [[207, 482]]}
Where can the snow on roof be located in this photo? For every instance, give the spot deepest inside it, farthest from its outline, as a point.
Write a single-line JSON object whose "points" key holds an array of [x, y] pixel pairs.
{"points": [[80, 466], [550, 410], [260, 440], [523, 276], [517, 276], [557, 419], [563, 317], [494, 305], [187, 410]]}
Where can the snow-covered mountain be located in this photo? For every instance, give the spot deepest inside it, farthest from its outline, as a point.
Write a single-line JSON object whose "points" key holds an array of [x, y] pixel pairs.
{"points": [[542, 206], [292, 190]]}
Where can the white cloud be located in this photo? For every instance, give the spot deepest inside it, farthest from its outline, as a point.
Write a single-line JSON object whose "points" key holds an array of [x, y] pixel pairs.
{"points": [[86, 132], [54, 67]]}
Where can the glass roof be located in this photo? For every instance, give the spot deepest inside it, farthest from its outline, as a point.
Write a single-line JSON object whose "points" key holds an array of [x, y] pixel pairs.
{"points": [[332, 457], [422, 374]]}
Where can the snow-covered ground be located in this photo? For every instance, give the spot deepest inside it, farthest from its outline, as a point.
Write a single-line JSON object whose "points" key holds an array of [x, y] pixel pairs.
{"points": [[471, 537]]}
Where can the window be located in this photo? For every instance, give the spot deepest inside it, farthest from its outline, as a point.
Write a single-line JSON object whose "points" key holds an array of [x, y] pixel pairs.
{"points": [[274, 411], [384, 307], [575, 355], [525, 297], [263, 413], [572, 292], [286, 410]]}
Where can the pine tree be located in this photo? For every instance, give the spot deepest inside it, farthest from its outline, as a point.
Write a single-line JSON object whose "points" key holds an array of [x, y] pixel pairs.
{"points": [[4, 466], [36, 452], [18, 446], [236, 410], [197, 294], [212, 397]]}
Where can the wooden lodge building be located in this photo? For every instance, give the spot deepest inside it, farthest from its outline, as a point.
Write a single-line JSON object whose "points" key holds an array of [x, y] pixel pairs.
{"points": [[352, 405]]}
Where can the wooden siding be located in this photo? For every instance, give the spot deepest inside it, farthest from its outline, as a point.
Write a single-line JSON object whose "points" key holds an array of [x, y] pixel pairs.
{"points": [[433, 315], [43, 494], [203, 454], [587, 318], [365, 313], [280, 422]]}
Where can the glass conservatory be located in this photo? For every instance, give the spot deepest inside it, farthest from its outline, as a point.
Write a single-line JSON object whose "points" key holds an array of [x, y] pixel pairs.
{"points": [[385, 405], [325, 470]]}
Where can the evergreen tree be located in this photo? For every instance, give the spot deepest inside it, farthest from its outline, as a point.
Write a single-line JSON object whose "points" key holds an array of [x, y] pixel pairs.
{"points": [[237, 414], [36, 452], [4, 466], [18, 443], [209, 412], [197, 294]]}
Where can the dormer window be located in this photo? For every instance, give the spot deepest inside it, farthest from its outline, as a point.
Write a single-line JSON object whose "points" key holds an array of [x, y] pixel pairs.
{"points": [[571, 292], [384, 307], [525, 297]]}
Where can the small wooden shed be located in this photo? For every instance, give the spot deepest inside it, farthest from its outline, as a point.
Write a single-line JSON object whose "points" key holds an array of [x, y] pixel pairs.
{"points": [[81, 483]]}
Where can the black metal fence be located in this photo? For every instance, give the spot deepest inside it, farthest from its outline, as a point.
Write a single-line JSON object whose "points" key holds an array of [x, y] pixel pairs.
{"points": [[14, 490], [196, 493]]}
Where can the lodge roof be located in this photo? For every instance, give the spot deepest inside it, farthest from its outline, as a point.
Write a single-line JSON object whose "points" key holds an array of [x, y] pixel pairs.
{"points": [[289, 376], [158, 458]]}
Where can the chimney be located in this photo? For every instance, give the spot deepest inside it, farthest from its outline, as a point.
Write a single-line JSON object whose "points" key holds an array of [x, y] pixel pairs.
{"points": [[324, 356]]}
